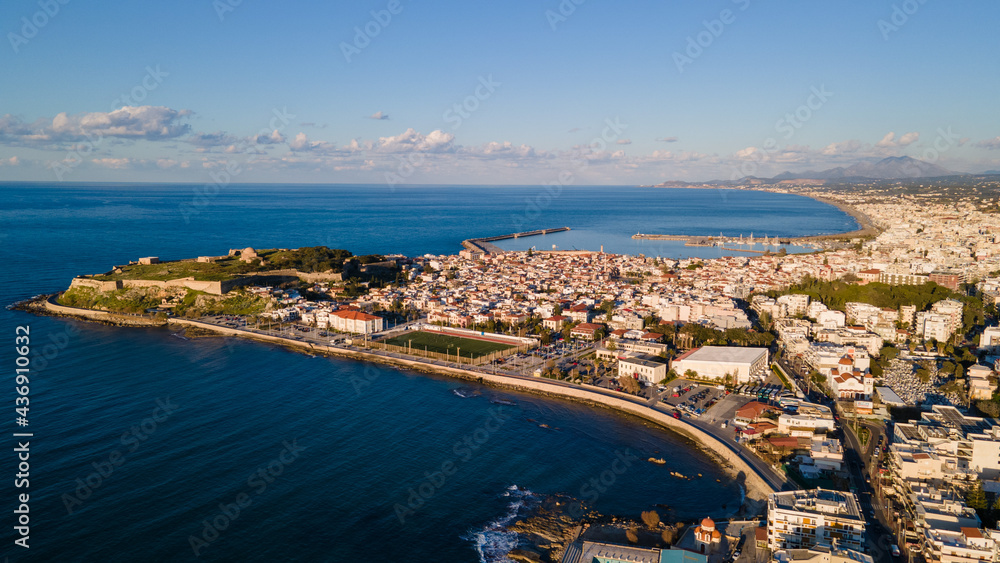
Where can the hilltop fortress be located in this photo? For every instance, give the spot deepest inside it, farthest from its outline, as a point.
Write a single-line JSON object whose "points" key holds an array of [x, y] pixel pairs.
{"points": [[193, 276]]}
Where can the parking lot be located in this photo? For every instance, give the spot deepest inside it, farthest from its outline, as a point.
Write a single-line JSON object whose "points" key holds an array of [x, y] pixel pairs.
{"points": [[692, 399], [563, 354]]}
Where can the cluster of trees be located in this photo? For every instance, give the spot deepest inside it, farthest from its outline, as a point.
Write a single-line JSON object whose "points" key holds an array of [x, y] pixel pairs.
{"points": [[695, 334], [319, 259], [834, 294]]}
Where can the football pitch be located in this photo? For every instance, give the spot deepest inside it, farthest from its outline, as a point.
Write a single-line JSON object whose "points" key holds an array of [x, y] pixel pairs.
{"points": [[446, 344]]}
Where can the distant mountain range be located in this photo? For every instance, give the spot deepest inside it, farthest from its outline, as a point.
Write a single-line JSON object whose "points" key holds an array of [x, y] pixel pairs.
{"points": [[885, 169], [891, 168]]}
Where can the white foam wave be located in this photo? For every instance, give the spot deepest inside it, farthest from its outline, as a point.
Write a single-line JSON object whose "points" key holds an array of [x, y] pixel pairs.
{"points": [[493, 541]]}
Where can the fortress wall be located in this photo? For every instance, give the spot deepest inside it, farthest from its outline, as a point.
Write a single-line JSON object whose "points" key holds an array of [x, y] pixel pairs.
{"points": [[95, 284]]}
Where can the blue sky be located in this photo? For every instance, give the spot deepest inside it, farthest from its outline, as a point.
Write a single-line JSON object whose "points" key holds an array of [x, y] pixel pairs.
{"points": [[491, 92]]}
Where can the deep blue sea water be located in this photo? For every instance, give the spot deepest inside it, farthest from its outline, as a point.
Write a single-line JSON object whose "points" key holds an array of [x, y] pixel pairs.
{"points": [[345, 442]]}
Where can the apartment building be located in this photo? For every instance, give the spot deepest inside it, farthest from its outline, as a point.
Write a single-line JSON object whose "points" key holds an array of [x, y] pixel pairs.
{"points": [[816, 517]]}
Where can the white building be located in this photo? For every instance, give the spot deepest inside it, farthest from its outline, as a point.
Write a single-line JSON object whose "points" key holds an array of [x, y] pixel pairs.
{"points": [[848, 382], [981, 387], [932, 326], [824, 357], [831, 319], [825, 454], [355, 322], [715, 362], [794, 304], [820, 554], [643, 367], [990, 340], [803, 519], [804, 425]]}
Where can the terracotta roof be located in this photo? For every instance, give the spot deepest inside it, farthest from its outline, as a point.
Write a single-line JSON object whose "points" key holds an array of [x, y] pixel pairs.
{"points": [[355, 316], [784, 441], [972, 532]]}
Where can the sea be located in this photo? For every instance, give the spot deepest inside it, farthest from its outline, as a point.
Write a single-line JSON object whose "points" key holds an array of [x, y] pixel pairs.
{"points": [[147, 445]]}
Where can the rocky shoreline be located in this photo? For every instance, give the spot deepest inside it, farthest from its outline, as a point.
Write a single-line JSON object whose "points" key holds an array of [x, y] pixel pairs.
{"points": [[558, 521]]}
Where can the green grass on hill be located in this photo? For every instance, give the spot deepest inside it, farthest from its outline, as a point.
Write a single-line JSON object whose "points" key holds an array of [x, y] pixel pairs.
{"points": [[441, 343], [306, 259]]}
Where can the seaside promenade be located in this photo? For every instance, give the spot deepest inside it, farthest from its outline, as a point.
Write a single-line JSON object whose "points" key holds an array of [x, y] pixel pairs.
{"points": [[758, 478]]}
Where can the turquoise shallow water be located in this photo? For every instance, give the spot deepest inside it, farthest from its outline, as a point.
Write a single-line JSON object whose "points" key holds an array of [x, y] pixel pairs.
{"points": [[144, 440]]}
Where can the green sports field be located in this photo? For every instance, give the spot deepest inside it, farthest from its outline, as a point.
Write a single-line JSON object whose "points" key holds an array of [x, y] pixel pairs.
{"points": [[446, 344]]}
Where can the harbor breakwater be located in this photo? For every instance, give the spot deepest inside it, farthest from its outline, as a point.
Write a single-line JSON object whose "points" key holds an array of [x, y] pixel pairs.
{"points": [[486, 246]]}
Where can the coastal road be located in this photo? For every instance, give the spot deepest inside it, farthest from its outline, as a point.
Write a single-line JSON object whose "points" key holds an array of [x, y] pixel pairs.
{"points": [[774, 479]]}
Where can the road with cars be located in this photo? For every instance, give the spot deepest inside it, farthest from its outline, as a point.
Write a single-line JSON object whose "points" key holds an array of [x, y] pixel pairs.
{"points": [[862, 465]]}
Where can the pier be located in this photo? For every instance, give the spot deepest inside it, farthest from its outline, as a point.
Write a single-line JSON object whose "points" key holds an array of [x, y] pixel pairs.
{"points": [[486, 246], [718, 241]]}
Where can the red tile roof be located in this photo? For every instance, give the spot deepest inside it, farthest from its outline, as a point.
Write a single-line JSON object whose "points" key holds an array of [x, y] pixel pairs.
{"points": [[355, 316]]}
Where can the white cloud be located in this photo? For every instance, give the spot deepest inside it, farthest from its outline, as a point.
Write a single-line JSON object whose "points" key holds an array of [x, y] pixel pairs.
{"points": [[624, 141], [114, 163], [889, 140], [845, 147], [379, 115], [991, 144], [274, 138], [505, 149], [301, 143], [413, 141], [207, 140], [128, 122], [667, 139], [909, 138]]}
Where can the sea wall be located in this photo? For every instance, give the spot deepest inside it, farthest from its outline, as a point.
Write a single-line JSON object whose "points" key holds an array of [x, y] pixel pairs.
{"points": [[756, 486], [99, 316]]}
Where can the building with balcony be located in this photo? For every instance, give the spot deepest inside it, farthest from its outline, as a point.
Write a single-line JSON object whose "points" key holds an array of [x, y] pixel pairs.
{"points": [[816, 517]]}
